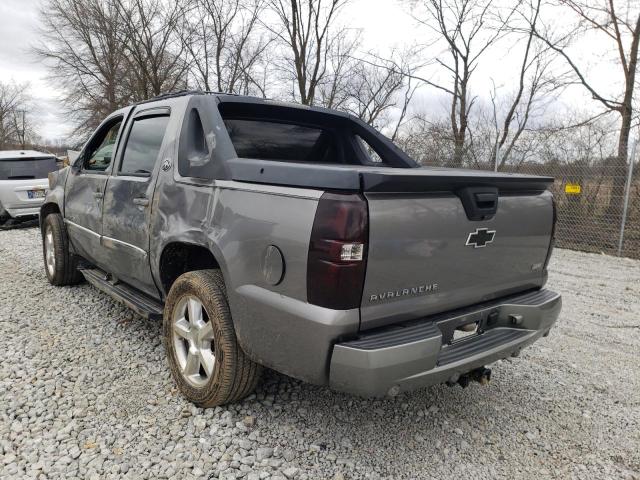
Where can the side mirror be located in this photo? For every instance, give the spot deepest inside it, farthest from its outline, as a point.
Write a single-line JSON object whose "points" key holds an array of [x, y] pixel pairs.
{"points": [[76, 165], [73, 156]]}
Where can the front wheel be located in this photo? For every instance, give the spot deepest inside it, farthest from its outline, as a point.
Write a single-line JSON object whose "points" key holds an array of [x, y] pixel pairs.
{"points": [[204, 356], [60, 264]]}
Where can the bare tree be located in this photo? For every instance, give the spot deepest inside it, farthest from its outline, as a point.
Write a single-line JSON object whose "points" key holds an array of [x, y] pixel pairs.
{"points": [[335, 89], [618, 23], [15, 128], [373, 91], [223, 46], [379, 90], [427, 142], [308, 30], [81, 42], [536, 85], [151, 43], [407, 95], [468, 28]]}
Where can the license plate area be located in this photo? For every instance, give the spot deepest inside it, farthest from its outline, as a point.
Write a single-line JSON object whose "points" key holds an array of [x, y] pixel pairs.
{"points": [[464, 332], [468, 325], [31, 194]]}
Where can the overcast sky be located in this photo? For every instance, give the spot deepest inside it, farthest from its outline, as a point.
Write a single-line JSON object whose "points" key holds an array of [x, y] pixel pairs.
{"points": [[384, 24]]}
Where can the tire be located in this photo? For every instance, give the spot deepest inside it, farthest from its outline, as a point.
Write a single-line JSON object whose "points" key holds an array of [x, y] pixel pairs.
{"points": [[191, 343], [60, 265], [4, 215]]}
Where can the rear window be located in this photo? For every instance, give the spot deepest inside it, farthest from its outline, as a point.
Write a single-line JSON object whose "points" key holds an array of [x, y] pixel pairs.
{"points": [[288, 142], [26, 168]]}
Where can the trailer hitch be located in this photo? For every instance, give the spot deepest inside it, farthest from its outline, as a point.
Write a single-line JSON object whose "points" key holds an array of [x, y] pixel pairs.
{"points": [[481, 375]]}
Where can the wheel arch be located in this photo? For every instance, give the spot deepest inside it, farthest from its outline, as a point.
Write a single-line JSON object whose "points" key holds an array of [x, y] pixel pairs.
{"points": [[180, 257], [45, 210]]}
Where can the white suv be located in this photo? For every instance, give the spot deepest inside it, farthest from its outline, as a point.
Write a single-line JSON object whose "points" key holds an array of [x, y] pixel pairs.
{"points": [[23, 182]]}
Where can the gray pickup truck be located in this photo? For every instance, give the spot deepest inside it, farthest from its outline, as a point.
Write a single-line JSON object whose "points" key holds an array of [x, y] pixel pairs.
{"points": [[300, 239]]}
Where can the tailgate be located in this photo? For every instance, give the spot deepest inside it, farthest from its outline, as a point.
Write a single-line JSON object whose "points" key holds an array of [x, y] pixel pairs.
{"points": [[427, 256]]}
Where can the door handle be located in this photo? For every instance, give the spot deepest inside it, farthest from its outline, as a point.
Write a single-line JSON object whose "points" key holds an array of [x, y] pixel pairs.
{"points": [[97, 195], [142, 201]]}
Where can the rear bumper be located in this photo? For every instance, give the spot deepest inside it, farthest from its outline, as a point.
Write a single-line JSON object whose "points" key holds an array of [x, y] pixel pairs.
{"points": [[16, 212], [14, 197], [419, 353]]}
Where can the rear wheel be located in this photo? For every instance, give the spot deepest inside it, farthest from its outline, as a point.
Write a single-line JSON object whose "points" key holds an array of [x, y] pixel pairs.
{"points": [[60, 264], [204, 356]]}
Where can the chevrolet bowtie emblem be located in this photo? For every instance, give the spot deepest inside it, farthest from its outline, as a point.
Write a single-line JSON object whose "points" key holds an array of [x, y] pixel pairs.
{"points": [[481, 237]]}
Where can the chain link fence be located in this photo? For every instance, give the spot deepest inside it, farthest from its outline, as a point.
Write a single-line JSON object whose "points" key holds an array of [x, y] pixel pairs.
{"points": [[598, 207]]}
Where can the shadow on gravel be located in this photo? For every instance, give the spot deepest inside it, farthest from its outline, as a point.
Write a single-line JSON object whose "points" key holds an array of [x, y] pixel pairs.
{"points": [[16, 223], [438, 422]]}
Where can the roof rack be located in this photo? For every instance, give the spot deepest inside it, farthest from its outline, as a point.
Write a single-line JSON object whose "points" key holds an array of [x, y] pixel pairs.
{"points": [[179, 93], [182, 93]]}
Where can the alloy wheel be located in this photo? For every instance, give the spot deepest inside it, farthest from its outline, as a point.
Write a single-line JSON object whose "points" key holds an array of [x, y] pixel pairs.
{"points": [[49, 252], [193, 341]]}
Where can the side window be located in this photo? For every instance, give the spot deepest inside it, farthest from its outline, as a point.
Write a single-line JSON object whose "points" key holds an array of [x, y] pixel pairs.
{"points": [[101, 149], [372, 155], [143, 145]]}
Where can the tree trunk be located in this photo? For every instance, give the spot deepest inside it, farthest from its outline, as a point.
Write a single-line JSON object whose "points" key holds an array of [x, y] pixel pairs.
{"points": [[458, 151], [620, 168], [614, 209]]}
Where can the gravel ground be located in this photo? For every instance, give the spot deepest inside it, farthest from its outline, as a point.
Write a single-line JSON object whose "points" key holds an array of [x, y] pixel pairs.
{"points": [[84, 392]]}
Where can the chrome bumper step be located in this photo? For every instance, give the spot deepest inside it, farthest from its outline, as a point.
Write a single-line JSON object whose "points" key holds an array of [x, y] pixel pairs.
{"points": [[478, 344], [424, 352]]}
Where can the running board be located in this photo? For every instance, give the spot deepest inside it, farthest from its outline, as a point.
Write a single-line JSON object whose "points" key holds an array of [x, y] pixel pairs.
{"points": [[137, 301]]}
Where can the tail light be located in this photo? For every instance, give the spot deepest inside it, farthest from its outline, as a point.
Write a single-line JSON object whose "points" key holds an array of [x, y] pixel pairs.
{"points": [[552, 241], [338, 251]]}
